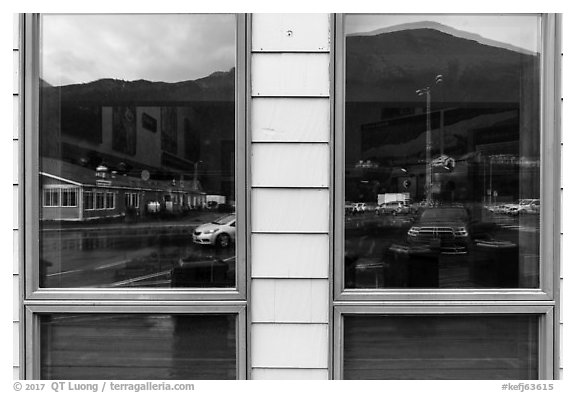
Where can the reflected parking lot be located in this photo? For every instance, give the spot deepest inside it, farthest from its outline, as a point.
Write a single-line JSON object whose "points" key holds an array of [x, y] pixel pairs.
{"points": [[379, 252]]}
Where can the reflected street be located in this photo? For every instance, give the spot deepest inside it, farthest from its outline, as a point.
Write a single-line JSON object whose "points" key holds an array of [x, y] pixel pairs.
{"points": [[124, 255]]}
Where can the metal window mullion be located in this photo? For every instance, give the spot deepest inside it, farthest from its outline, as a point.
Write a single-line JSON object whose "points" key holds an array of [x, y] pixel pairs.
{"points": [[33, 313], [40, 300], [32, 75], [245, 93], [545, 325], [550, 164]]}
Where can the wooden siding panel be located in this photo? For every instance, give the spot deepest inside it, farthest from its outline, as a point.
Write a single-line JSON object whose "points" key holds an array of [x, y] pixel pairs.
{"points": [[16, 71], [302, 256], [16, 31], [290, 165], [15, 117], [290, 210], [15, 298], [291, 32], [289, 374], [291, 74], [15, 162], [290, 120], [15, 211], [16, 344], [290, 104], [290, 345], [15, 252], [290, 300]]}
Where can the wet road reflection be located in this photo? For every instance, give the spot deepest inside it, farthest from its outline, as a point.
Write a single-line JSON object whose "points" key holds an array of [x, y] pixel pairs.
{"points": [[126, 255]]}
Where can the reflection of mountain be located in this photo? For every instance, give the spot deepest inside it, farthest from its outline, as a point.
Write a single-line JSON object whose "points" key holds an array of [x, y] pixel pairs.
{"points": [[444, 29], [390, 66], [219, 86]]}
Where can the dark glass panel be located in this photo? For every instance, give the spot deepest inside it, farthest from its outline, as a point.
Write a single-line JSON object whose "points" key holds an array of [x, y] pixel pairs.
{"points": [[441, 347], [442, 156], [143, 346], [137, 121]]}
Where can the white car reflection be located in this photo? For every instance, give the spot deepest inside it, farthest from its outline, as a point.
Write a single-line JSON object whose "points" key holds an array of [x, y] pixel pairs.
{"points": [[220, 233]]}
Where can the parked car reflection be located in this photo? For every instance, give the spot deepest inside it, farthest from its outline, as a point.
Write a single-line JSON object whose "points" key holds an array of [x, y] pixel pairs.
{"points": [[397, 207], [446, 228], [220, 232]]}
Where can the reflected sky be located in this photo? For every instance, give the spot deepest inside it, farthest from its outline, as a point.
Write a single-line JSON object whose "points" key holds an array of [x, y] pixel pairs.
{"points": [[168, 48], [518, 30]]}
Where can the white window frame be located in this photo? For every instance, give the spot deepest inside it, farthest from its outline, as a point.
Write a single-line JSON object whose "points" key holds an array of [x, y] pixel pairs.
{"points": [[70, 195], [103, 195], [133, 199], [48, 197], [112, 195], [89, 194]]}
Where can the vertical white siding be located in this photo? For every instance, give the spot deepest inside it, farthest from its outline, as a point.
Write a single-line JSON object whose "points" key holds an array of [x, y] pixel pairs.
{"points": [[302, 256], [289, 374], [16, 344], [290, 210], [290, 74], [290, 134], [290, 32], [278, 119], [290, 345], [15, 253], [290, 300], [16, 297], [275, 165], [15, 121], [16, 166]]}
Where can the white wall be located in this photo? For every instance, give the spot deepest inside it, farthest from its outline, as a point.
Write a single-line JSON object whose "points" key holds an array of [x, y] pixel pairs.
{"points": [[15, 180], [290, 161]]}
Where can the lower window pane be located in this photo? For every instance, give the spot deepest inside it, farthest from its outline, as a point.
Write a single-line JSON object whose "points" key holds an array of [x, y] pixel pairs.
{"points": [[142, 346], [441, 347]]}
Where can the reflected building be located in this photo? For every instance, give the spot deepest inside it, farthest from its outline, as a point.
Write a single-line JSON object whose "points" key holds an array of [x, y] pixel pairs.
{"points": [[149, 146]]}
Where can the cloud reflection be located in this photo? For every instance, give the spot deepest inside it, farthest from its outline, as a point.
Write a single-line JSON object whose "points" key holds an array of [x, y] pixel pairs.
{"points": [[168, 48]]}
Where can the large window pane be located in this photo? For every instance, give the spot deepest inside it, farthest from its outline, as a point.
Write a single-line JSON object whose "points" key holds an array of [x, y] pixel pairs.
{"points": [[137, 151], [149, 346], [441, 347], [442, 151]]}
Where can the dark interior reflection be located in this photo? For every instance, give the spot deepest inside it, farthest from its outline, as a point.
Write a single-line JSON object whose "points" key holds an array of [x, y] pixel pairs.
{"points": [[441, 347], [144, 346], [442, 159], [135, 174]]}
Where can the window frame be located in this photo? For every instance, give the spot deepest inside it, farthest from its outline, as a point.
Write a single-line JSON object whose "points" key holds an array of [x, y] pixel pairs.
{"points": [[34, 311], [70, 196], [545, 334], [31, 203], [110, 196], [85, 195], [549, 262], [48, 199]]}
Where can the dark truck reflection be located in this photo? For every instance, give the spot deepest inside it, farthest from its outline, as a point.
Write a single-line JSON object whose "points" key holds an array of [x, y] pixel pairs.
{"points": [[445, 246], [444, 228]]}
